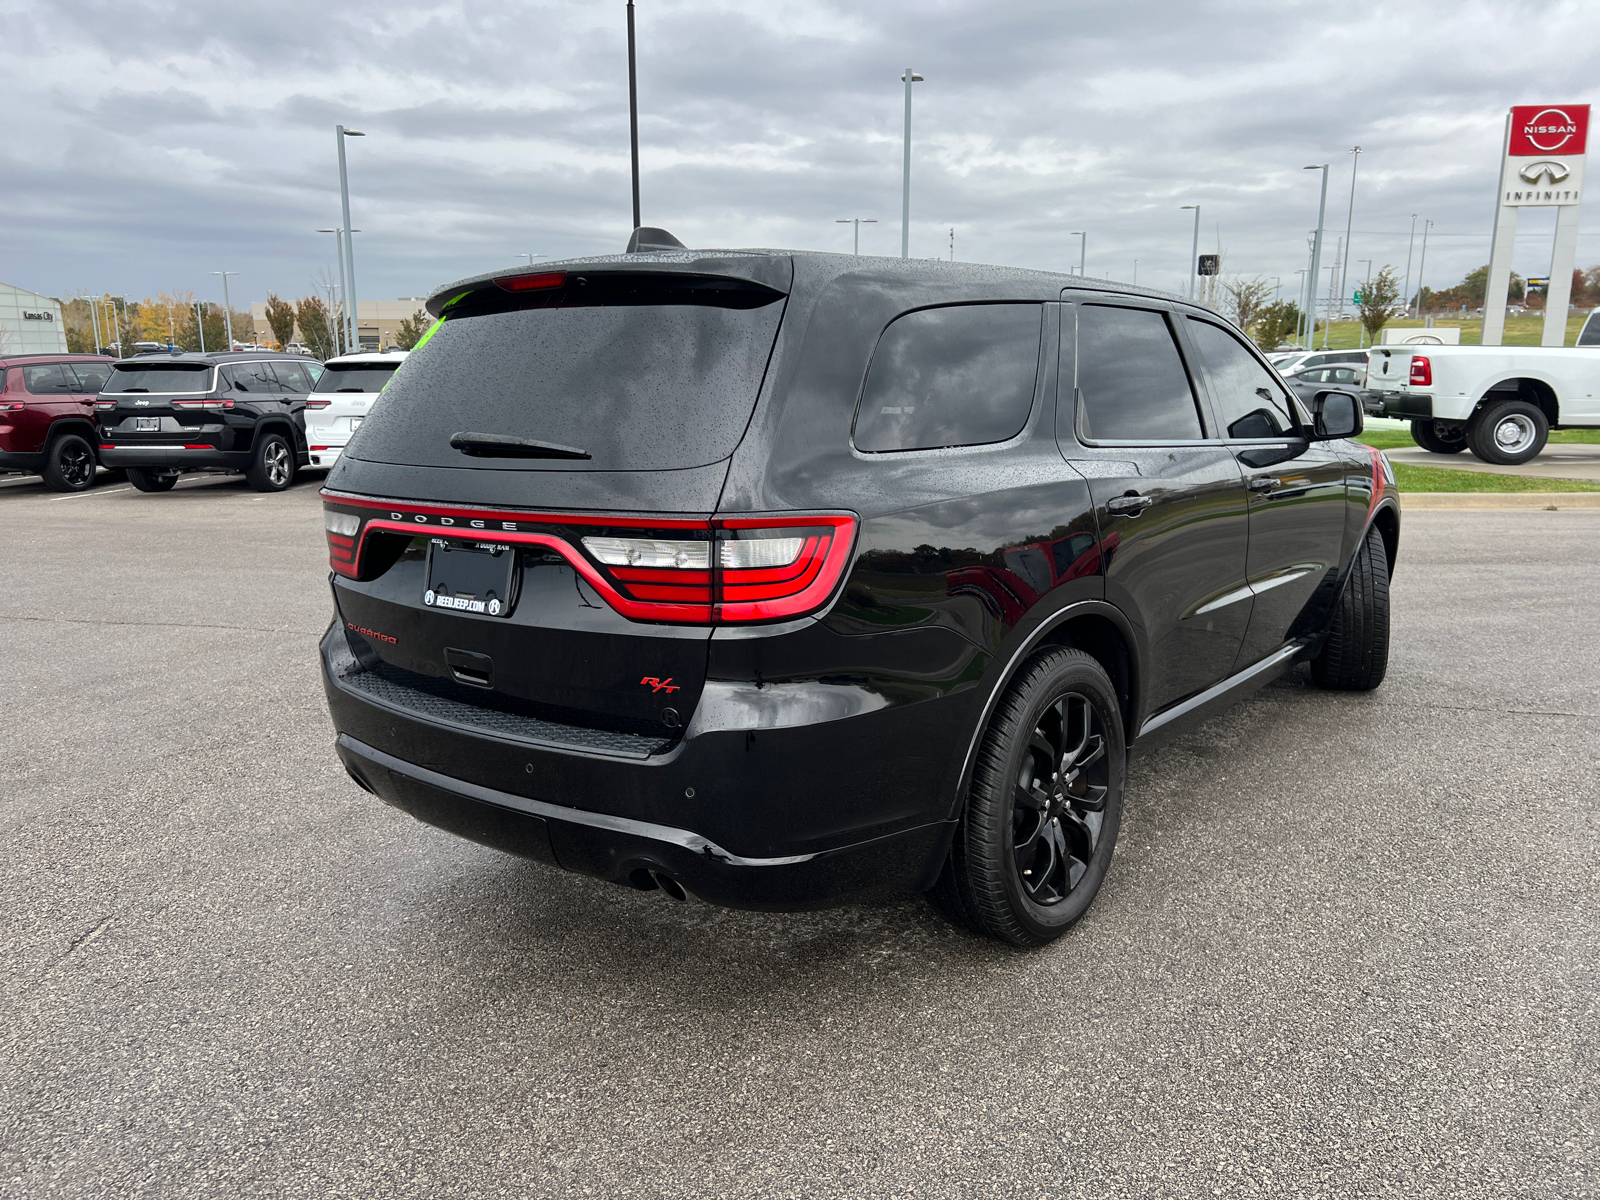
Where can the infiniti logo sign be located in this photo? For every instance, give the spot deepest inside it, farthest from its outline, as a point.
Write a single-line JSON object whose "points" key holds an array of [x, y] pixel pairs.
{"points": [[1554, 171]]}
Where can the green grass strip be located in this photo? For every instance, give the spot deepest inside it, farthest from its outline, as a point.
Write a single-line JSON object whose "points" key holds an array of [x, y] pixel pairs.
{"points": [[1440, 479], [1400, 439]]}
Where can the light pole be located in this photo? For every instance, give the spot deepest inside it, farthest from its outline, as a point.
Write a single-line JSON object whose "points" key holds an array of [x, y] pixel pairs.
{"points": [[909, 78], [1405, 288], [1366, 290], [1194, 251], [1277, 286], [339, 247], [1136, 272], [633, 116], [1083, 248], [1423, 265], [1316, 255], [227, 306], [858, 222], [116, 325], [200, 324], [1349, 222], [353, 336], [94, 320]]}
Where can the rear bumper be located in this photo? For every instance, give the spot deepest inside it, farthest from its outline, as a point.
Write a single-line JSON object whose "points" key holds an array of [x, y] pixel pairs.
{"points": [[1402, 405], [324, 458], [175, 457], [18, 460], [627, 851], [846, 803]]}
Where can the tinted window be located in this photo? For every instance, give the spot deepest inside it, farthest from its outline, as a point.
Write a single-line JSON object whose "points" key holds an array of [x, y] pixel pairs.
{"points": [[960, 376], [1591, 332], [1131, 380], [1250, 404], [651, 375], [292, 376], [251, 377], [92, 376], [159, 377], [49, 379], [356, 377]]}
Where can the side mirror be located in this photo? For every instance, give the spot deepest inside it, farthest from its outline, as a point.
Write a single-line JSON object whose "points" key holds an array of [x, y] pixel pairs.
{"points": [[1336, 415]]}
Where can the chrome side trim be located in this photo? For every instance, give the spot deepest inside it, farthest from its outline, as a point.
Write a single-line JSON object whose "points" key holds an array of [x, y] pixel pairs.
{"points": [[691, 842], [1229, 597], [1217, 691]]}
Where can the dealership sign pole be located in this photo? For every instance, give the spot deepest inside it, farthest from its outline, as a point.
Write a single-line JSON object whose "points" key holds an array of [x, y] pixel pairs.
{"points": [[1541, 166]]}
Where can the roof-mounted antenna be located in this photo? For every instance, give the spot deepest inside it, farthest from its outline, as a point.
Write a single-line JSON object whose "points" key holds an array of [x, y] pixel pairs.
{"points": [[647, 238]]}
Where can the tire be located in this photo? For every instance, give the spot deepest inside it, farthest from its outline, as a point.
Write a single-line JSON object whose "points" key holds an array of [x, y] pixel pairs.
{"points": [[272, 465], [69, 463], [1030, 853], [1436, 440], [147, 480], [1355, 656], [1508, 433]]}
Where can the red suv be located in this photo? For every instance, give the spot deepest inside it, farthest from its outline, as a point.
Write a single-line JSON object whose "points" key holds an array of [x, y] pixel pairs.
{"points": [[47, 416]]}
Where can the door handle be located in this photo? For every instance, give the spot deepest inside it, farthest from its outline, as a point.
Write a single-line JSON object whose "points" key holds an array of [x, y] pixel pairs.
{"points": [[1130, 505], [1264, 483]]}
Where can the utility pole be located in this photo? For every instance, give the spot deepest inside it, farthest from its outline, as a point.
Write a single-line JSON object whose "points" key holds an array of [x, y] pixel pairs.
{"points": [[909, 77], [1405, 288], [633, 115], [1423, 266], [1194, 250], [1136, 272], [227, 306], [344, 293], [353, 331], [200, 324], [1333, 278], [1316, 254], [94, 320], [858, 222], [1349, 223]]}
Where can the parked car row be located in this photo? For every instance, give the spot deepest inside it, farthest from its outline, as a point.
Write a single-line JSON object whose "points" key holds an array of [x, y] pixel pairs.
{"points": [[261, 413]]}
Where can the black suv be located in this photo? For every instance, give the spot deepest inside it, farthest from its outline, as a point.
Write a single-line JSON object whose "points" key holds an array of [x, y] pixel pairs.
{"points": [[162, 415], [779, 578]]}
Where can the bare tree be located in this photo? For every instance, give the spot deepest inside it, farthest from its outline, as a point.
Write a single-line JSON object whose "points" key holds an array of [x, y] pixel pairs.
{"points": [[1243, 300]]}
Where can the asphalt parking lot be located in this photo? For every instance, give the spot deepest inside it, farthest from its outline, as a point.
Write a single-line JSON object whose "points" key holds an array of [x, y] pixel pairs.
{"points": [[1348, 945]]}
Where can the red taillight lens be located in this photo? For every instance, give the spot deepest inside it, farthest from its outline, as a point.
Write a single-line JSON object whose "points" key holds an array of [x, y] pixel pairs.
{"points": [[1421, 371], [318, 403], [342, 528], [532, 283], [771, 569], [11, 407]]}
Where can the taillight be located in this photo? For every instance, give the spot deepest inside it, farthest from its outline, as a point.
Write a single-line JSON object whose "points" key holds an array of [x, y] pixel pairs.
{"points": [[341, 528], [11, 407], [532, 283], [105, 403], [318, 403], [218, 404], [773, 568], [1421, 371]]}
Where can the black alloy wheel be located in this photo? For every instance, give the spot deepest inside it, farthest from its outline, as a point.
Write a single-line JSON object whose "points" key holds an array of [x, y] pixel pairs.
{"points": [[69, 464], [272, 466], [147, 480], [1044, 807], [1439, 439]]}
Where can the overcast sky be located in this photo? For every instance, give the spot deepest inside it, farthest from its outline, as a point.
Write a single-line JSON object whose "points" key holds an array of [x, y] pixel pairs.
{"points": [[147, 144]]}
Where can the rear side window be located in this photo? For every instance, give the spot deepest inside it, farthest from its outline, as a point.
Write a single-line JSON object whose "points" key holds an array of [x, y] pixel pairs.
{"points": [[49, 379], [251, 377], [1250, 404], [356, 377], [292, 376], [92, 376], [159, 377], [639, 373], [958, 376], [1132, 386]]}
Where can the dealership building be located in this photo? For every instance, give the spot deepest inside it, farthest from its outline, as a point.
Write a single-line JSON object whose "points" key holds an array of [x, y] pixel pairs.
{"points": [[377, 320], [30, 323]]}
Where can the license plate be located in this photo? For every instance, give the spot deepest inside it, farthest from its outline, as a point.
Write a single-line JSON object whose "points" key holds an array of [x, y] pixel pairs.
{"points": [[355, 423], [146, 424], [471, 578]]}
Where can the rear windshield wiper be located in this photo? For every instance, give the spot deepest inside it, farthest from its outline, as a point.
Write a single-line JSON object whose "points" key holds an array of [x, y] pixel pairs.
{"points": [[145, 390], [499, 445]]}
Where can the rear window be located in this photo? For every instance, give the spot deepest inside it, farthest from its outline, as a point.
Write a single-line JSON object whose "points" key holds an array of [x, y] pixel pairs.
{"points": [[637, 372], [356, 377], [958, 376], [159, 377]]}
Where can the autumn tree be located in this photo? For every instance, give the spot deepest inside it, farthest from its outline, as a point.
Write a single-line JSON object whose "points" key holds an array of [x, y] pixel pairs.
{"points": [[1380, 302], [412, 330], [280, 317], [311, 314]]}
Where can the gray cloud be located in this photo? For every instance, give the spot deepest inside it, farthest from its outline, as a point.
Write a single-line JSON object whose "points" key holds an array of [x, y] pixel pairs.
{"points": [[154, 143]]}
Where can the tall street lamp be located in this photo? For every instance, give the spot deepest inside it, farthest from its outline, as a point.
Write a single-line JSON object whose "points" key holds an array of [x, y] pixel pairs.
{"points": [[1405, 288], [343, 293], [858, 222], [200, 324], [1083, 247], [1316, 255], [909, 78], [353, 337], [227, 306], [1349, 222], [1194, 251]]}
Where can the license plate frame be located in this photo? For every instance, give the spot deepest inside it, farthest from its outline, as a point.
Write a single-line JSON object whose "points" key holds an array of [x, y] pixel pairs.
{"points": [[147, 424], [471, 578]]}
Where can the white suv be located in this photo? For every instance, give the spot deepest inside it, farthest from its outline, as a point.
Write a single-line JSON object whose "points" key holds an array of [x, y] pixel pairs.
{"points": [[346, 392]]}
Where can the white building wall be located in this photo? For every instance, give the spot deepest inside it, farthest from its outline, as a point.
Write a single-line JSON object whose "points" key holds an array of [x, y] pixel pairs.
{"points": [[42, 332]]}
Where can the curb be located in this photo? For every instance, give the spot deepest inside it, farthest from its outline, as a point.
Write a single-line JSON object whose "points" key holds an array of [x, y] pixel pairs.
{"points": [[1424, 501]]}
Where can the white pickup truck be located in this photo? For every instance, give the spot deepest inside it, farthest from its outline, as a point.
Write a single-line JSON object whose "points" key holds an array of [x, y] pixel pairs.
{"points": [[1500, 402]]}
